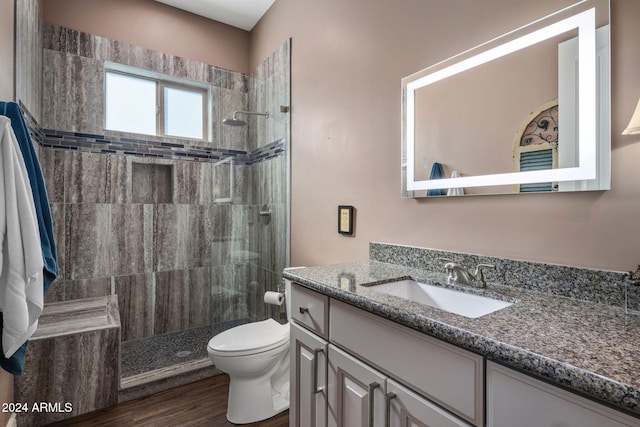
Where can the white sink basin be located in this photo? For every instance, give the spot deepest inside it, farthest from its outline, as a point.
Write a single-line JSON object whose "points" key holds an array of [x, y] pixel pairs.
{"points": [[458, 302]]}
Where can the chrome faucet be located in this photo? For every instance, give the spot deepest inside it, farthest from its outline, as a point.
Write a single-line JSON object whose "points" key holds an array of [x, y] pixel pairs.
{"points": [[459, 275]]}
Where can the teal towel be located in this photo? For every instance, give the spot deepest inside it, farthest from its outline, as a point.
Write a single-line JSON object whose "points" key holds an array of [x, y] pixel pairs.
{"points": [[436, 173], [15, 363]]}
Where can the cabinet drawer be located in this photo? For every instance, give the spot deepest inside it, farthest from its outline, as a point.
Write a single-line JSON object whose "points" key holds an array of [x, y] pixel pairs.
{"points": [[310, 309], [448, 375]]}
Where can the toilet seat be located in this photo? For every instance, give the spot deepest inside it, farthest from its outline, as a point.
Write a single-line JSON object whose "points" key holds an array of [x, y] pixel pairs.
{"points": [[250, 338]]}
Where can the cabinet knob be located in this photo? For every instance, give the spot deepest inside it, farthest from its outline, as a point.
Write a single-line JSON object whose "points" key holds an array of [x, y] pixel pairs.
{"points": [[304, 310]]}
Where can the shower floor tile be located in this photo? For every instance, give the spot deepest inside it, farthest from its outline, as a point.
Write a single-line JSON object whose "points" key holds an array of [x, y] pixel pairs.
{"points": [[165, 350]]}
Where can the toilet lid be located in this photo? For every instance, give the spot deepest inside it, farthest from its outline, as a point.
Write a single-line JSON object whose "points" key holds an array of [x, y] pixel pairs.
{"points": [[250, 337]]}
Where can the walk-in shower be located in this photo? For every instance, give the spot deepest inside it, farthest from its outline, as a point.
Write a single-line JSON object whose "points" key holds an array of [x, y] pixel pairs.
{"points": [[189, 234], [235, 121]]}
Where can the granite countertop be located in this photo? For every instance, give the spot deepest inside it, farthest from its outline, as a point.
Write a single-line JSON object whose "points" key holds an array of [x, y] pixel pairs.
{"points": [[586, 347]]}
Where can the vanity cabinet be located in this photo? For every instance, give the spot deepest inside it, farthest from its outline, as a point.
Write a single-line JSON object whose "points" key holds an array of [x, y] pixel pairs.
{"points": [[351, 368], [515, 399], [367, 371]]}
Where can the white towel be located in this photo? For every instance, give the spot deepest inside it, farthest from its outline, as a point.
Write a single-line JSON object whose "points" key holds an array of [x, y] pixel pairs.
{"points": [[21, 278], [455, 191]]}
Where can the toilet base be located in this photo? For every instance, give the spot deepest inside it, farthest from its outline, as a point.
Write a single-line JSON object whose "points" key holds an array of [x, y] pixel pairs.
{"points": [[258, 381], [252, 400]]}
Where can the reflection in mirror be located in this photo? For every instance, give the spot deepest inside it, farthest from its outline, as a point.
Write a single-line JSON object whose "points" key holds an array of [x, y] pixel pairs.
{"points": [[526, 112], [535, 146]]}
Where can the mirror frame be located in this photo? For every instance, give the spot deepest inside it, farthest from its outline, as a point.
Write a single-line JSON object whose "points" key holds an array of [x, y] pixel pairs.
{"points": [[564, 21]]}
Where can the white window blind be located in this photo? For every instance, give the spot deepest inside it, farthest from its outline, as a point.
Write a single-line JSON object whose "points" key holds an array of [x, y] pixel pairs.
{"points": [[183, 113], [154, 106], [536, 160], [130, 104]]}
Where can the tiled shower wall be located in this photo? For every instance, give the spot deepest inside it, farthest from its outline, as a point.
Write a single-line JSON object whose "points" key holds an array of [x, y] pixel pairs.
{"points": [[73, 89], [145, 225], [28, 55], [158, 257]]}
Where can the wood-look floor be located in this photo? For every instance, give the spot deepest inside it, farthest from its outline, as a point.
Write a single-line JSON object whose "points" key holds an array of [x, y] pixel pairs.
{"points": [[203, 403]]}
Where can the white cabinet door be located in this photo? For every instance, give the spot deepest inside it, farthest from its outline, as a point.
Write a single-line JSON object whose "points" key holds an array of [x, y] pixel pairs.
{"points": [[308, 404], [360, 396], [515, 399], [356, 392], [408, 409], [445, 374]]}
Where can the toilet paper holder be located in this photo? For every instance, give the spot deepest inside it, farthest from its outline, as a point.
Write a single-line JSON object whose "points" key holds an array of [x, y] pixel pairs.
{"points": [[275, 298]]}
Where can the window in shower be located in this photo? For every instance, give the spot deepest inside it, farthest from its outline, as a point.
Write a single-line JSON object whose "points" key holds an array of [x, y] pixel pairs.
{"points": [[153, 106], [182, 112]]}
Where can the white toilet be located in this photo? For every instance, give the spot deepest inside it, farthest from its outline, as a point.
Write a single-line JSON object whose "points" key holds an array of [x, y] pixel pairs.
{"points": [[256, 357]]}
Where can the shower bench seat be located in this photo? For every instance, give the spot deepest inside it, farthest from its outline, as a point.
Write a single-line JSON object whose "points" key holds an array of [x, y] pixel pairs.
{"points": [[72, 362]]}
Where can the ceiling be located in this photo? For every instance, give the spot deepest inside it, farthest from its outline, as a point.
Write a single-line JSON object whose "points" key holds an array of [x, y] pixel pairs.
{"points": [[243, 14]]}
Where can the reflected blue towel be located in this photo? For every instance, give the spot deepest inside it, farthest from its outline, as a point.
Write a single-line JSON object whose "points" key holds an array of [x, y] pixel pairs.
{"points": [[15, 363], [436, 173]]}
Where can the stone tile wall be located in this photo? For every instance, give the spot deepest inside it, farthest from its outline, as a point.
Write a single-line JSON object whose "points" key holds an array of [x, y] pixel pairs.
{"points": [[29, 56], [73, 359], [173, 265], [137, 216], [268, 91]]}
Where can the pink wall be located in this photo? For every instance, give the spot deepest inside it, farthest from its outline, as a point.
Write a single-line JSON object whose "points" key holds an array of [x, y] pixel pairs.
{"points": [[347, 62], [156, 26]]}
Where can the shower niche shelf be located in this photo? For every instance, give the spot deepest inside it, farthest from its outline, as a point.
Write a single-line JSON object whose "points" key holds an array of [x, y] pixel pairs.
{"points": [[152, 183]]}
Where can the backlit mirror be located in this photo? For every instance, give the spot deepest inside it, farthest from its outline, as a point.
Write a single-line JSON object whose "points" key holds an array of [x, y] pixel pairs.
{"points": [[526, 112]]}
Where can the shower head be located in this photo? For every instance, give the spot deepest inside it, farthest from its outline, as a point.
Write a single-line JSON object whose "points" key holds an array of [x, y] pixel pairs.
{"points": [[235, 121]]}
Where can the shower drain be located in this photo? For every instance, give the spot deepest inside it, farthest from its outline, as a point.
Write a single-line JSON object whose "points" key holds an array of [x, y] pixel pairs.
{"points": [[183, 353]]}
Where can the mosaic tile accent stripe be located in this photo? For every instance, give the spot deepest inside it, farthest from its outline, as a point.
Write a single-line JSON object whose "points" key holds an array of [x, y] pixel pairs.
{"points": [[73, 111], [94, 143], [151, 148], [36, 132]]}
